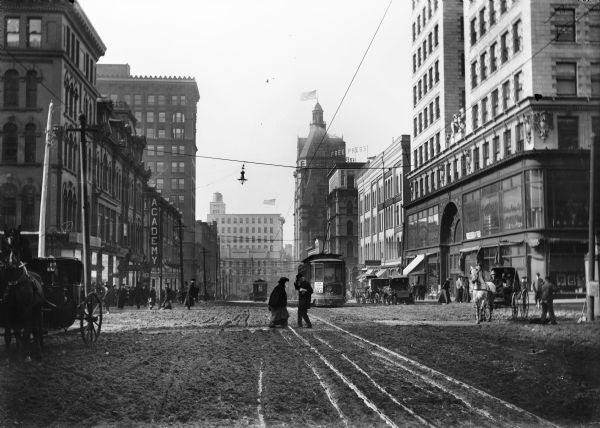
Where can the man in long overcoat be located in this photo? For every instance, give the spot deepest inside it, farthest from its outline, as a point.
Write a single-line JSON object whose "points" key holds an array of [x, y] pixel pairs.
{"points": [[304, 297], [278, 304]]}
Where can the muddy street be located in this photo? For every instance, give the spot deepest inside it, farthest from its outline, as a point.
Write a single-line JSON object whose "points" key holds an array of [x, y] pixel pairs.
{"points": [[220, 365]]}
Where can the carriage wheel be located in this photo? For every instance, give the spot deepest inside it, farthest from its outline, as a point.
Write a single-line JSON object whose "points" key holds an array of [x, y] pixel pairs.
{"points": [[514, 304], [486, 312], [90, 321], [524, 305]]}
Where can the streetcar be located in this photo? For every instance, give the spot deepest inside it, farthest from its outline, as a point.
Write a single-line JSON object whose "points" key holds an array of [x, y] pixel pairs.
{"points": [[327, 276], [259, 291]]}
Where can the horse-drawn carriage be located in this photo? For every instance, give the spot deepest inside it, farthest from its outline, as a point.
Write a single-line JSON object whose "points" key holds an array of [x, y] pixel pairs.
{"points": [[397, 291], [42, 294], [502, 289], [373, 291]]}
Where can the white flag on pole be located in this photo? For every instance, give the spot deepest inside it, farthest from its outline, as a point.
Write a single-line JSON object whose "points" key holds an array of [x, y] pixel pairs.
{"points": [[310, 95], [269, 202]]}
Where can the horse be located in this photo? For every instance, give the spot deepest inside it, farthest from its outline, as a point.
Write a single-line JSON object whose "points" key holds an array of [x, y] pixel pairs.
{"points": [[21, 298], [483, 294]]}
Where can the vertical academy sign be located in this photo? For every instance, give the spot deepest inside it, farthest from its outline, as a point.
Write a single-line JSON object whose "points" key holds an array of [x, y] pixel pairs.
{"points": [[155, 233]]}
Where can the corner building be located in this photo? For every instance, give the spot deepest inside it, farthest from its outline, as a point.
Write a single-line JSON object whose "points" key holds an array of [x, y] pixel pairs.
{"points": [[511, 185], [165, 111]]}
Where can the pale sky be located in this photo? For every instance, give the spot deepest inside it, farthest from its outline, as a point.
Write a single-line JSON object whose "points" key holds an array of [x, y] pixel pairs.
{"points": [[232, 47]]}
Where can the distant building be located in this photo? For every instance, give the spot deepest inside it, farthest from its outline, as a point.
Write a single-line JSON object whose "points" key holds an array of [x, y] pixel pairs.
{"points": [[316, 154], [207, 276], [165, 112], [251, 247], [342, 214], [510, 186], [381, 195]]}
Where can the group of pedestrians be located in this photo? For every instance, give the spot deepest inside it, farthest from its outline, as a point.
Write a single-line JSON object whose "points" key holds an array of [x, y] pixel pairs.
{"points": [[278, 302]]}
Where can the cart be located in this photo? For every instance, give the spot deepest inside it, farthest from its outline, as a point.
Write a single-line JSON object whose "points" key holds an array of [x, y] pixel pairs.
{"points": [[509, 291], [62, 279]]}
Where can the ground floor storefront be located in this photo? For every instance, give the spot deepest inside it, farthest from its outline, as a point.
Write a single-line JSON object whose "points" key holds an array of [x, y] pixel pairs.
{"points": [[525, 215]]}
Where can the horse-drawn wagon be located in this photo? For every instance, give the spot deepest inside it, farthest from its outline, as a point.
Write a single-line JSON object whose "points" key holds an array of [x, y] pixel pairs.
{"points": [[397, 291], [42, 294]]}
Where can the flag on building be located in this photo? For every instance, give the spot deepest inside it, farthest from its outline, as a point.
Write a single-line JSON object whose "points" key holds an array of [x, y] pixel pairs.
{"points": [[311, 95], [269, 202]]}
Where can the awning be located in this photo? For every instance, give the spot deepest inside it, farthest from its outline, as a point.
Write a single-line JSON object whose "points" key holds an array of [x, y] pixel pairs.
{"points": [[412, 265], [469, 249], [363, 275], [381, 272]]}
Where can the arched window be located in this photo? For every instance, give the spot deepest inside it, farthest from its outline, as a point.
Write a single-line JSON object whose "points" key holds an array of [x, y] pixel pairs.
{"points": [[28, 208], [10, 143], [8, 205], [30, 143], [104, 172], [31, 89], [349, 228], [11, 88]]}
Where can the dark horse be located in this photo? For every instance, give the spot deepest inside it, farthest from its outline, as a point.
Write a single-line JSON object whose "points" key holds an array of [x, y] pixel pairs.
{"points": [[21, 296]]}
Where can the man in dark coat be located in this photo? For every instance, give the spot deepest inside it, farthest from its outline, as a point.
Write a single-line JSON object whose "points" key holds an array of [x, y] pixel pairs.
{"points": [[446, 291], [547, 299], [278, 304], [304, 298]]}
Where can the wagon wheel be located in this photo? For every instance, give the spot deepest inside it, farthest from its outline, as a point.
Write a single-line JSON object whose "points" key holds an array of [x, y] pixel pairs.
{"points": [[90, 319], [486, 312], [524, 306], [514, 304]]}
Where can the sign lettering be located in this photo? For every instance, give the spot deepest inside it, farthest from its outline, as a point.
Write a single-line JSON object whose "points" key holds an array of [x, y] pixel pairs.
{"points": [[155, 234]]}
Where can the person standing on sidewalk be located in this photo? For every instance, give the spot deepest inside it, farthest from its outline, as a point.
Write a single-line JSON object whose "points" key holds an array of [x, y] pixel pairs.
{"points": [[538, 282], [304, 296], [547, 299]]}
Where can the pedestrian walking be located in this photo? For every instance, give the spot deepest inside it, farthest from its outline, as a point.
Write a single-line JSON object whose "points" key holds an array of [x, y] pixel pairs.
{"points": [[152, 298], [446, 291], [304, 298], [537, 284], [547, 301], [459, 290], [278, 304]]}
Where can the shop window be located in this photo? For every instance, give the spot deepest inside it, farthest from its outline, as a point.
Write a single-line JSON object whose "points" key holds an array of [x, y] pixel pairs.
{"points": [[534, 198], [568, 193], [512, 206], [568, 132]]}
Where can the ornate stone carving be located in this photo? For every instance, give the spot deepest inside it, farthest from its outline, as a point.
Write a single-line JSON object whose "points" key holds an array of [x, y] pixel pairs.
{"points": [[543, 124]]}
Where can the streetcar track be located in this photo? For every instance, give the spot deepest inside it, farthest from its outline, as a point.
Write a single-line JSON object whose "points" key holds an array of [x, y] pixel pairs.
{"points": [[261, 418], [428, 373], [347, 381]]}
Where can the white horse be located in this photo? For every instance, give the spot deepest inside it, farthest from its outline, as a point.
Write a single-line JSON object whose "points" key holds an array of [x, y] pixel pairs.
{"points": [[483, 294]]}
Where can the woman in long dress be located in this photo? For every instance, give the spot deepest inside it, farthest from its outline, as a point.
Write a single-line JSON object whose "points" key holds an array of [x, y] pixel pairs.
{"points": [[278, 304]]}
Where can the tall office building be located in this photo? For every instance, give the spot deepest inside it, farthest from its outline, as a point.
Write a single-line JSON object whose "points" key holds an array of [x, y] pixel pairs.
{"points": [[315, 154], [511, 185], [165, 110], [251, 247]]}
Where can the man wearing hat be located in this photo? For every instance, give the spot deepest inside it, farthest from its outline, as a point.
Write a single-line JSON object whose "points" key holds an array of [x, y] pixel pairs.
{"points": [[304, 293], [278, 304], [446, 290]]}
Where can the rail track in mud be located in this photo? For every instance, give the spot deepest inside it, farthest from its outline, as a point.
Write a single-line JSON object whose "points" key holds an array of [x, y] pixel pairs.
{"points": [[364, 380]]}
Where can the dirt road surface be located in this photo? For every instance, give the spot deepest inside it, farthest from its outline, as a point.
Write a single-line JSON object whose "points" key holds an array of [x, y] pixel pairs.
{"points": [[220, 365]]}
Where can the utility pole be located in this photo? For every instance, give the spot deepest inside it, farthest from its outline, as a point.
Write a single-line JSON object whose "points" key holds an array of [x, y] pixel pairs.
{"points": [[592, 231], [85, 237], [44, 195], [204, 272], [180, 227]]}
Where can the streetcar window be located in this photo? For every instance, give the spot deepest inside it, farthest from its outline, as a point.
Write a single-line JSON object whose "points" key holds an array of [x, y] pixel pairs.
{"points": [[318, 272]]}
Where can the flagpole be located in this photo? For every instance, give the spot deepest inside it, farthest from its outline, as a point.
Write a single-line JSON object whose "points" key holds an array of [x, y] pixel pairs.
{"points": [[44, 195]]}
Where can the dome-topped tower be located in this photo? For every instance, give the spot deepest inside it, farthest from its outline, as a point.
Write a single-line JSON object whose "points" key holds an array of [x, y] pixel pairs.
{"points": [[318, 116]]}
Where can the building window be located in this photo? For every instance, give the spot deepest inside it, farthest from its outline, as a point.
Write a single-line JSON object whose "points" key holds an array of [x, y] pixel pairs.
{"points": [[493, 63], [492, 12], [475, 116], [507, 143], [503, 7], [473, 74], [517, 38], [436, 71], [160, 150], [473, 31], [34, 33], [595, 77], [151, 100], [137, 99], [563, 21], [594, 26], [476, 165], [568, 132], [31, 89], [494, 103], [11, 88], [30, 143], [534, 198], [505, 95], [566, 78], [520, 136], [484, 111], [435, 36], [486, 153], [482, 28], [8, 205], [518, 86], [12, 32], [437, 107], [150, 150], [496, 148], [504, 47], [483, 66], [10, 143]]}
